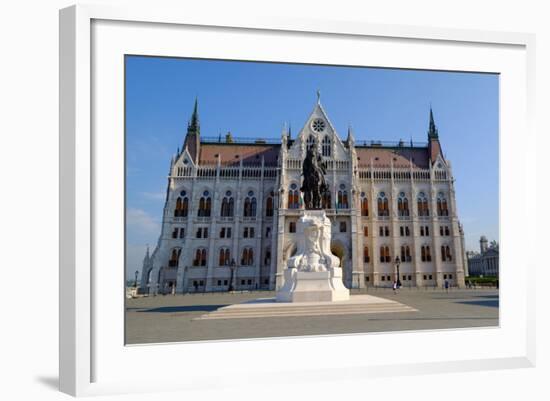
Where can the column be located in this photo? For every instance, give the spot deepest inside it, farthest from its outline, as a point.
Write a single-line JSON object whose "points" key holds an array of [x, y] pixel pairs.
{"points": [[215, 211]]}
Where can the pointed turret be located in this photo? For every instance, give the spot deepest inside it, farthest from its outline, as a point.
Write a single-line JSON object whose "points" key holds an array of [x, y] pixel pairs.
{"points": [[147, 257], [192, 138], [350, 140], [434, 147], [194, 124], [432, 130]]}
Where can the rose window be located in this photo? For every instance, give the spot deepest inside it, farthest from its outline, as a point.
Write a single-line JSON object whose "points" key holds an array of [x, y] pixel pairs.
{"points": [[318, 125]]}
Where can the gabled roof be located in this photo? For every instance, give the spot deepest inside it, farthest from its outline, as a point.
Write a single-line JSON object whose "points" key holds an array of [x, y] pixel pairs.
{"points": [[318, 112], [249, 153], [399, 156]]}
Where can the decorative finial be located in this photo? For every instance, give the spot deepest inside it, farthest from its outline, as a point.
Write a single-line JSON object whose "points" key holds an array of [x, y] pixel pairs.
{"points": [[350, 139], [432, 129], [318, 96], [194, 124]]}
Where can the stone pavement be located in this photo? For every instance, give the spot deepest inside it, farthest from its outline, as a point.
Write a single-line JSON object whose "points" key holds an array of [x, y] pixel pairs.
{"points": [[359, 304], [174, 318]]}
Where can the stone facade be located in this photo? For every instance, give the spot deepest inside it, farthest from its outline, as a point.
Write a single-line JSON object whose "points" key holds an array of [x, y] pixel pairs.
{"points": [[232, 207], [484, 263]]}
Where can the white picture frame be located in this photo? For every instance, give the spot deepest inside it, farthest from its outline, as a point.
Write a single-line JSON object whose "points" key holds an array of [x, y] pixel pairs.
{"points": [[91, 354]]}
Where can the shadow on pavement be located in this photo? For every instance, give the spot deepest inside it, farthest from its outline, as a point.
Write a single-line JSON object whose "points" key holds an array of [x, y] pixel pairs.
{"points": [[489, 303], [186, 308]]}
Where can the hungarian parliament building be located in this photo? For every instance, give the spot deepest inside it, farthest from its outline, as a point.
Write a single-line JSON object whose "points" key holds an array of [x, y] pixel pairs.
{"points": [[231, 208]]}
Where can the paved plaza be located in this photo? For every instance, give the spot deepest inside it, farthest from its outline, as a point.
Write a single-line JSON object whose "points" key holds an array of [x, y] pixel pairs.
{"points": [[174, 318]]}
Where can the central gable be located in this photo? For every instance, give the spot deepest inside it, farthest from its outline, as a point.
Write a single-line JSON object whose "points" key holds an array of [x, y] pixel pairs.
{"points": [[318, 130]]}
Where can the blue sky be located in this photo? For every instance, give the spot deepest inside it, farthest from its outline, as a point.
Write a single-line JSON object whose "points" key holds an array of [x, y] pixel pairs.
{"points": [[254, 100]]}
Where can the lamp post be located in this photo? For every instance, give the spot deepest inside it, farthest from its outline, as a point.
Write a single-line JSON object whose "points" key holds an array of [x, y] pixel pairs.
{"points": [[397, 262], [232, 267]]}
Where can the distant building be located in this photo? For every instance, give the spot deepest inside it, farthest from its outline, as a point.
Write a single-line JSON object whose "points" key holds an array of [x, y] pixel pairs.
{"points": [[484, 263]]}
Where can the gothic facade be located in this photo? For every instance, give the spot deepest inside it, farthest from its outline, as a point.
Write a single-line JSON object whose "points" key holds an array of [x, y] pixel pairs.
{"points": [[231, 209]]}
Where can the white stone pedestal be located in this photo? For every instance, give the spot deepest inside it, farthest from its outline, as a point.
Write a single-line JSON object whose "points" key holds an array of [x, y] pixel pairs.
{"points": [[313, 275]]}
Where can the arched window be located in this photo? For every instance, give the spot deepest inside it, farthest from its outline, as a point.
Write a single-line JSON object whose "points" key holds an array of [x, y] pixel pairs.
{"points": [[205, 204], [293, 197], [326, 199], [227, 205], [385, 254], [425, 254], [225, 257], [182, 205], [247, 258], [310, 143], [178, 207], [366, 258], [364, 204], [383, 209], [269, 205], [442, 205], [200, 257], [405, 253], [342, 198], [174, 257], [325, 149], [249, 205], [402, 205], [445, 253], [422, 204], [185, 207]]}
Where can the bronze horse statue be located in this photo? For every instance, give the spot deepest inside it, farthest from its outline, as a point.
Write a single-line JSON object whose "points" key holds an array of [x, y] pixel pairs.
{"points": [[314, 185]]}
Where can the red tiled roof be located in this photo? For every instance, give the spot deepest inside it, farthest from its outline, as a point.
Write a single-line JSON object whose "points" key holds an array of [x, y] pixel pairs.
{"points": [[249, 153], [401, 157], [252, 154]]}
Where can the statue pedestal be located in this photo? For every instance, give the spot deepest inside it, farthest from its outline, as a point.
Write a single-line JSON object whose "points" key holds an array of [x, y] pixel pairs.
{"points": [[313, 287], [313, 275]]}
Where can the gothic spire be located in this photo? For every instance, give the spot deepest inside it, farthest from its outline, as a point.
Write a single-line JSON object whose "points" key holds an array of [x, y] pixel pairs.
{"points": [[434, 147], [146, 257], [194, 124], [432, 130], [192, 139], [350, 139]]}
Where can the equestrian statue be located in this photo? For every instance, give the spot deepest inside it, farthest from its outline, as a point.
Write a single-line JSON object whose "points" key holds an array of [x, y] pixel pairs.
{"points": [[314, 185]]}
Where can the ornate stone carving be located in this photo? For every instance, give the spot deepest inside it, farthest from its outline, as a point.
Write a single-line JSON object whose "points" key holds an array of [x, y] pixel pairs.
{"points": [[313, 275], [313, 254]]}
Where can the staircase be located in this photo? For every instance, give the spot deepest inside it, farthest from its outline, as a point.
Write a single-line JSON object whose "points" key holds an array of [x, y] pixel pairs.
{"points": [[360, 304]]}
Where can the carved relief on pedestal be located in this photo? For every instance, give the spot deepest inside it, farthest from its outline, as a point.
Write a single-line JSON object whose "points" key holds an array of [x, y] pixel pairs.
{"points": [[313, 254]]}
